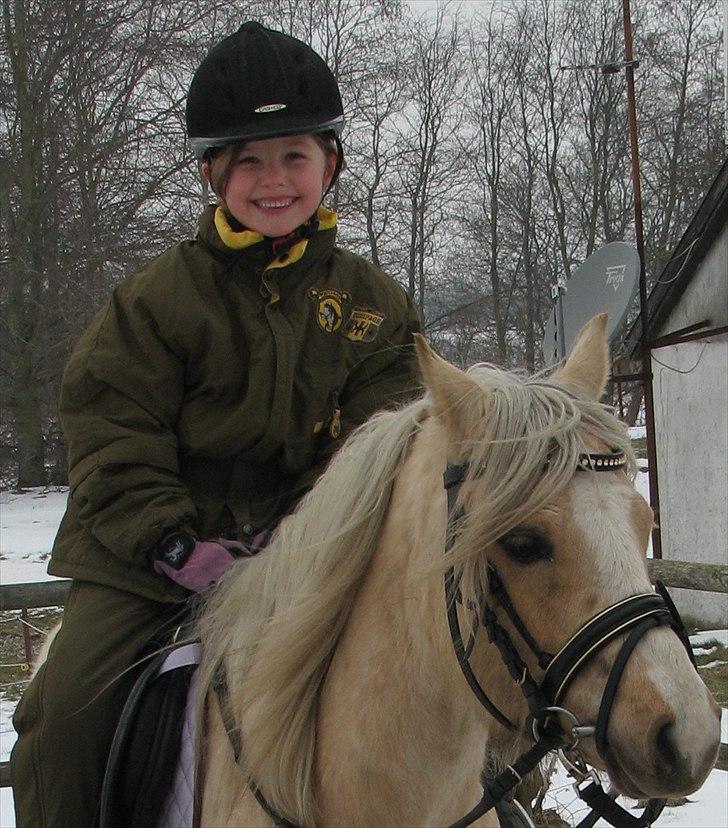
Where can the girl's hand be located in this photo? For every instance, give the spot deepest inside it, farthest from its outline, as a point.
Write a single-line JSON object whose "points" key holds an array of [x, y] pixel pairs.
{"points": [[206, 563]]}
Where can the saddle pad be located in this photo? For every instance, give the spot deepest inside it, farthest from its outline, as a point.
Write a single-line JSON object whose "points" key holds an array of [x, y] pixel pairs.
{"points": [[143, 779], [179, 806]]}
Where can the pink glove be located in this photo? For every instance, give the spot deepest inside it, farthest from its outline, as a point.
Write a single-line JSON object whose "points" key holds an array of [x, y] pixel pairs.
{"points": [[205, 565]]}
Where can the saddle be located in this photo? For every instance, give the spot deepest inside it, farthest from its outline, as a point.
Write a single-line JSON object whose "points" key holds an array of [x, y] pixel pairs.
{"points": [[150, 773]]}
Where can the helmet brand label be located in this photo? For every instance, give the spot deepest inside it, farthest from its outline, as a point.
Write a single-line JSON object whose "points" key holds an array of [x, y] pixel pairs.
{"points": [[273, 107]]}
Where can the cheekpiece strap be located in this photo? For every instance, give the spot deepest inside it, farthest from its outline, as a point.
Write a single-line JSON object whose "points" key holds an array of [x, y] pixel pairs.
{"points": [[462, 655], [452, 480]]}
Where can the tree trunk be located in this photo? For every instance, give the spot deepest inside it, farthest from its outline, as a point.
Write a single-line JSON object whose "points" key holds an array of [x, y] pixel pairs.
{"points": [[29, 431]]}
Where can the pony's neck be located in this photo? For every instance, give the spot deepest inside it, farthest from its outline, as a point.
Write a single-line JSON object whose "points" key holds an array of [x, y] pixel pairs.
{"points": [[398, 728]]}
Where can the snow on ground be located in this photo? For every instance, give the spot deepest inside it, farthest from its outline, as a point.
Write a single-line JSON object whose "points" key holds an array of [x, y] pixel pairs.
{"points": [[28, 523], [636, 432], [703, 641], [707, 808]]}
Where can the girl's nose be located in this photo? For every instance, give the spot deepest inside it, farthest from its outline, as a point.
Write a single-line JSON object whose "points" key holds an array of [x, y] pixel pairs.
{"points": [[272, 174]]}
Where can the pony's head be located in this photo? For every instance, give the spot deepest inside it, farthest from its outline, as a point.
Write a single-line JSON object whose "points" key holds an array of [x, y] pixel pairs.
{"points": [[566, 544]]}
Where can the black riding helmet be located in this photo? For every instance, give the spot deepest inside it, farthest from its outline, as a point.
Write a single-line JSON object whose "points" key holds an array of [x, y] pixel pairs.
{"points": [[259, 83]]}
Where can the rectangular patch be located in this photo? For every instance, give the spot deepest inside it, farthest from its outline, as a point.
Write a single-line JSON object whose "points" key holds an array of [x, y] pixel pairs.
{"points": [[362, 325]]}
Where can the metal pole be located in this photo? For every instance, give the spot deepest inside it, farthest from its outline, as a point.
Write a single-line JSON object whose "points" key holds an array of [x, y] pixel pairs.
{"points": [[562, 334], [639, 235], [725, 67]]}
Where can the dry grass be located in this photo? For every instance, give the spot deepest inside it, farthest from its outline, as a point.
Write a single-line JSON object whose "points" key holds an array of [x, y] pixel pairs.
{"points": [[716, 677], [13, 665]]}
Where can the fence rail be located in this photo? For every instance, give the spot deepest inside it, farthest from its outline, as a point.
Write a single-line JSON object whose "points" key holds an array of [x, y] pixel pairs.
{"points": [[676, 574], [34, 595], [680, 574], [686, 575]]}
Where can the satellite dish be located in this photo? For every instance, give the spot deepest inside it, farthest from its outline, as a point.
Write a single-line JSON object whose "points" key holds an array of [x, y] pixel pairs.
{"points": [[605, 283]]}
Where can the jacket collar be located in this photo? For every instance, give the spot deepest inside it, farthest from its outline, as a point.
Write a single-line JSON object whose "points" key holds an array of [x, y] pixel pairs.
{"points": [[215, 229]]}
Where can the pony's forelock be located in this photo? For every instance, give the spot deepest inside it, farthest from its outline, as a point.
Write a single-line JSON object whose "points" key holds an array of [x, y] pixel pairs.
{"points": [[527, 453]]}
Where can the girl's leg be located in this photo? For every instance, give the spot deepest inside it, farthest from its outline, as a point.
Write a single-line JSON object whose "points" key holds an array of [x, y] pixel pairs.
{"points": [[67, 716]]}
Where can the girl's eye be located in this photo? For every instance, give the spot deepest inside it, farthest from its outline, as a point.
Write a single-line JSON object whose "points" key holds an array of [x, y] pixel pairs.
{"points": [[527, 545], [247, 159]]}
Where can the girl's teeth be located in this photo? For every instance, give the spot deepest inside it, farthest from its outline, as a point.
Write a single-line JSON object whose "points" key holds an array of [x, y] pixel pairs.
{"points": [[271, 204]]}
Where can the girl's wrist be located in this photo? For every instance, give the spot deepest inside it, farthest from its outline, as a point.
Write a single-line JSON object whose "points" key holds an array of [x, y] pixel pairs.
{"points": [[175, 548]]}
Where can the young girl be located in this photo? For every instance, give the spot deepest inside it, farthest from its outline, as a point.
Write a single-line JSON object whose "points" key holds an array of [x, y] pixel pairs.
{"points": [[205, 399]]}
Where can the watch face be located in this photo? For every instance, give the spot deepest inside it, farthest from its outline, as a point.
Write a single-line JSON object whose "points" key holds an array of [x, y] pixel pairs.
{"points": [[176, 549]]}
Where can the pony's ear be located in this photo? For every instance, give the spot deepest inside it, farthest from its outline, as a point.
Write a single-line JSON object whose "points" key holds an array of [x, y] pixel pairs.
{"points": [[588, 363], [458, 401]]}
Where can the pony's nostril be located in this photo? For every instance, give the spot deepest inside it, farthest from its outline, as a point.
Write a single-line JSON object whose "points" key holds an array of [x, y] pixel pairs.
{"points": [[671, 765], [665, 744]]}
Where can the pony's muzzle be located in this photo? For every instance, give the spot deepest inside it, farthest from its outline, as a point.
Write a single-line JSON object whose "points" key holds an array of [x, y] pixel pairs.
{"points": [[674, 754]]}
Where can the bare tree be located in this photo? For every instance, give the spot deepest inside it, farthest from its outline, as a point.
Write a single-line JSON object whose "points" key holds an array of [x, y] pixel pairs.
{"points": [[373, 165], [92, 149], [599, 146], [680, 129], [525, 168], [429, 164], [558, 95], [490, 101]]}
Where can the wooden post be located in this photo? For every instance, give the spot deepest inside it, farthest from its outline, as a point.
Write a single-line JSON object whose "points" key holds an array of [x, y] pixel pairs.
{"points": [[639, 238], [26, 636]]}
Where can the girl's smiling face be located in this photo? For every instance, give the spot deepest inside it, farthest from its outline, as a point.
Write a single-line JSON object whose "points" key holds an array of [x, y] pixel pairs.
{"points": [[276, 184]]}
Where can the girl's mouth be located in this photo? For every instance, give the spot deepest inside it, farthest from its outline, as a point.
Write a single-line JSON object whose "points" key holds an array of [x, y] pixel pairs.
{"points": [[273, 203]]}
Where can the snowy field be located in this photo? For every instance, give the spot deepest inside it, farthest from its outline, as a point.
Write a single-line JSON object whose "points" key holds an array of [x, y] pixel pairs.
{"points": [[28, 523]]}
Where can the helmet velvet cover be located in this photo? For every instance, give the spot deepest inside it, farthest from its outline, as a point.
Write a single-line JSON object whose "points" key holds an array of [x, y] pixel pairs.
{"points": [[259, 83]]}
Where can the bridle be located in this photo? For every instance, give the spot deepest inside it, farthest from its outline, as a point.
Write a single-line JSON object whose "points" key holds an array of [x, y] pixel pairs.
{"points": [[633, 616]]}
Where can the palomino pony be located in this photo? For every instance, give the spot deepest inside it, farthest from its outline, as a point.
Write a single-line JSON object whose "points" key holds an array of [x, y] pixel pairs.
{"points": [[345, 700]]}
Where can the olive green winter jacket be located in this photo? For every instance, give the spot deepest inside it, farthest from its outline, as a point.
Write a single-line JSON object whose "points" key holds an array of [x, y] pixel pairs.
{"points": [[212, 388]]}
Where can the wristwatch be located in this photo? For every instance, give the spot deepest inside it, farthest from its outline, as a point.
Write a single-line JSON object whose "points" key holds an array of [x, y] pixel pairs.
{"points": [[175, 548]]}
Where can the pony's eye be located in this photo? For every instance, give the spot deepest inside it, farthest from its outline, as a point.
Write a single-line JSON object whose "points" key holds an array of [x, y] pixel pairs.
{"points": [[527, 545]]}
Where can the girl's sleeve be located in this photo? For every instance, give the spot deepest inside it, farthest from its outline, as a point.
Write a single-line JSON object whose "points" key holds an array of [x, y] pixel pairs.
{"points": [[120, 399]]}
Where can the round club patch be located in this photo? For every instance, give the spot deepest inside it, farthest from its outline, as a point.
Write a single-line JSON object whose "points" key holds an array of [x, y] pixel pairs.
{"points": [[329, 308]]}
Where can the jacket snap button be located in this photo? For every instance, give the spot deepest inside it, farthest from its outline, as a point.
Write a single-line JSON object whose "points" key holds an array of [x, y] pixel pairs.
{"points": [[248, 529]]}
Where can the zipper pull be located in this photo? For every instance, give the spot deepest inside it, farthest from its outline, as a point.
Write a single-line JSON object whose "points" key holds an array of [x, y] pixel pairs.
{"points": [[335, 425]]}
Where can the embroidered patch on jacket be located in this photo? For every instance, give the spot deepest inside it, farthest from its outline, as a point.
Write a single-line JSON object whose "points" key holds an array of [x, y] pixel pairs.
{"points": [[363, 325], [329, 308]]}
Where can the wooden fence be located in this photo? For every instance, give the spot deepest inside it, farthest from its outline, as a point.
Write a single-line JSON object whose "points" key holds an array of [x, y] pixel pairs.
{"points": [[680, 574]]}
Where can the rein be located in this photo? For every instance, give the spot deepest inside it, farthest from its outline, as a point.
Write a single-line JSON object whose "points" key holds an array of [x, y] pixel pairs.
{"points": [[635, 615]]}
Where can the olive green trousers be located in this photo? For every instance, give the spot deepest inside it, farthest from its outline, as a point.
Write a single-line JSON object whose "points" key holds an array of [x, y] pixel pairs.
{"points": [[67, 717]]}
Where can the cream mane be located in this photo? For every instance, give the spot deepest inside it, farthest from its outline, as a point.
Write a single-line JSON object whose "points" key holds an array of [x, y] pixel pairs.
{"points": [[275, 621]]}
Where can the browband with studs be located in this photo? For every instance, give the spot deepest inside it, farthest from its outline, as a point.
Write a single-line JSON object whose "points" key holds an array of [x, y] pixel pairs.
{"points": [[602, 462]]}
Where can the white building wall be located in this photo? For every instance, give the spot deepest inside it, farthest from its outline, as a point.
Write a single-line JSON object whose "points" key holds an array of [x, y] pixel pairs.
{"points": [[691, 428]]}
